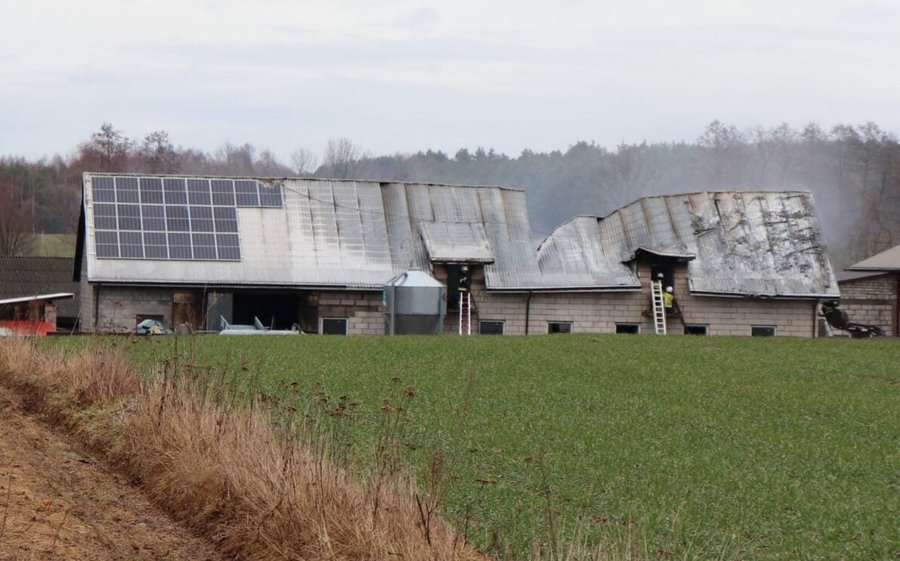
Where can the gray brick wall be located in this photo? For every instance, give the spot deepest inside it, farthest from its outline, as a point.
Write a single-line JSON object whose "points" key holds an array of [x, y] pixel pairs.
{"points": [[872, 301], [594, 312], [118, 306]]}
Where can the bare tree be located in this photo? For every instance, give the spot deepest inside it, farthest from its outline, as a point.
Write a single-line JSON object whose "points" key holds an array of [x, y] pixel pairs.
{"points": [[633, 167], [304, 161], [341, 157], [158, 154], [16, 223], [724, 146], [107, 150]]}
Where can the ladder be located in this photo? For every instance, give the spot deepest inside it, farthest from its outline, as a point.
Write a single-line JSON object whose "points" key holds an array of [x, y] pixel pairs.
{"points": [[465, 313], [659, 311]]}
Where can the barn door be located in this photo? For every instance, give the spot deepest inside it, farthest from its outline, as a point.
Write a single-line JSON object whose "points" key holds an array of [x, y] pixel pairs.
{"points": [[186, 308]]}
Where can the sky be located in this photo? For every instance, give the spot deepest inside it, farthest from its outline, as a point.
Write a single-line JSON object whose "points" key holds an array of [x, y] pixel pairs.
{"points": [[407, 75]]}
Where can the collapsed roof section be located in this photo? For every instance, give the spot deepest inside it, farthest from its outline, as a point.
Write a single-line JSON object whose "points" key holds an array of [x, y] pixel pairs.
{"points": [[302, 232], [736, 243]]}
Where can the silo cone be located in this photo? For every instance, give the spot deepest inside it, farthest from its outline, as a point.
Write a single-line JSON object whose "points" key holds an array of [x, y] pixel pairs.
{"points": [[414, 304]]}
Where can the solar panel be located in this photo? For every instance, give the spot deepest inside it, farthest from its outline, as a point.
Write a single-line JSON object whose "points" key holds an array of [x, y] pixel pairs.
{"points": [[174, 218], [247, 193], [270, 195], [104, 190], [151, 190], [223, 192], [174, 191]]}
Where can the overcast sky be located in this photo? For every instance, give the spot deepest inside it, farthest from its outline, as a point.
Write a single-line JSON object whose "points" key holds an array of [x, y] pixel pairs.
{"points": [[407, 75]]}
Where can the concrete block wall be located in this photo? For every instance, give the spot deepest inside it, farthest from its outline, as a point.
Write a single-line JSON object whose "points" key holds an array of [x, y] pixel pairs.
{"points": [[364, 311], [118, 307], [592, 312], [596, 312], [872, 301]]}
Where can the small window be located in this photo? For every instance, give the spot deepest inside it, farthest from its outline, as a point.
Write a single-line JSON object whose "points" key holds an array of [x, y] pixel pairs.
{"points": [[762, 330], [488, 327], [696, 330], [334, 326], [630, 328], [559, 327]]}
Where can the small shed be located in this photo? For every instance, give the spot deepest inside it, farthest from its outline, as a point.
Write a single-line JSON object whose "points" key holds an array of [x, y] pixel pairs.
{"points": [[870, 291], [39, 289]]}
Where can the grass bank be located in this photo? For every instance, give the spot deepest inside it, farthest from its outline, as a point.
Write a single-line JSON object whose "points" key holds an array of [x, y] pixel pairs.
{"points": [[212, 457]]}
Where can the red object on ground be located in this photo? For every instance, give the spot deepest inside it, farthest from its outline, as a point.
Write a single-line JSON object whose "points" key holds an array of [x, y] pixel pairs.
{"points": [[21, 327]]}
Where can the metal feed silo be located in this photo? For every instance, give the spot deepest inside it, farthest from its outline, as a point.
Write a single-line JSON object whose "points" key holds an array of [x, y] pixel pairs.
{"points": [[414, 304]]}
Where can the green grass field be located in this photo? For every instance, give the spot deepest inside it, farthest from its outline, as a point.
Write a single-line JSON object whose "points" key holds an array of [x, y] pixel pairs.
{"points": [[53, 245], [682, 447]]}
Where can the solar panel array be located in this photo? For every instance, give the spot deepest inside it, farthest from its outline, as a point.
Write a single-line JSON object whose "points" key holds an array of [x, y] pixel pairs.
{"points": [[174, 218]]}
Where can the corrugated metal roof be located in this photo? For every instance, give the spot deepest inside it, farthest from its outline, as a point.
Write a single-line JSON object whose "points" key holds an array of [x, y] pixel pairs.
{"points": [[22, 277], [357, 234], [360, 234], [454, 242], [756, 243], [888, 260]]}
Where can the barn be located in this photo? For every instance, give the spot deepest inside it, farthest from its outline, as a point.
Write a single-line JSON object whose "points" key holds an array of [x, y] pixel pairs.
{"points": [[317, 253], [738, 263], [870, 291]]}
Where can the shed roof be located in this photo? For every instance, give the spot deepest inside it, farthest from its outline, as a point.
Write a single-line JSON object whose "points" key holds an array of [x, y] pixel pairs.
{"points": [[886, 261], [24, 277], [746, 243]]}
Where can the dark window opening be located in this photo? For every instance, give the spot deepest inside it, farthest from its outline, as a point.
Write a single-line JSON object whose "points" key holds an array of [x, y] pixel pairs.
{"points": [[454, 274], [278, 311], [559, 327], [696, 330], [762, 330], [334, 326], [667, 272], [628, 328], [488, 327]]}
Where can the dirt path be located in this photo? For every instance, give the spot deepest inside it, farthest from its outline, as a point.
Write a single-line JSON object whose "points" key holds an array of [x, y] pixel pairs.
{"points": [[57, 502]]}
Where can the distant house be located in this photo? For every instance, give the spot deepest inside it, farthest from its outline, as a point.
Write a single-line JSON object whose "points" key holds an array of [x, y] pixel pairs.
{"points": [[317, 253], [870, 291], [38, 294]]}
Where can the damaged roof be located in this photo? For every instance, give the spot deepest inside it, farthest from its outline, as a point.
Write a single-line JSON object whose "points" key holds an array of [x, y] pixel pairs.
{"points": [[303, 232], [742, 243], [298, 231]]}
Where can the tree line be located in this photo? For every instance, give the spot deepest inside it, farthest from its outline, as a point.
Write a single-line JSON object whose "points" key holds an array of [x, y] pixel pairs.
{"points": [[853, 172]]}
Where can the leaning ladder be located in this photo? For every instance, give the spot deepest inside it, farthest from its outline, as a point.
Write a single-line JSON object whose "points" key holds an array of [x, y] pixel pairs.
{"points": [[659, 311], [465, 313]]}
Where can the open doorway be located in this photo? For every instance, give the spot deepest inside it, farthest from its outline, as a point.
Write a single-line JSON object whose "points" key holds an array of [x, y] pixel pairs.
{"points": [[278, 311]]}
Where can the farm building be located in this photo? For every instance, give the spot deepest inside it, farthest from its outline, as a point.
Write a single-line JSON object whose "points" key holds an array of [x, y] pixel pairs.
{"points": [[317, 253], [870, 291], [38, 294], [738, 263]]}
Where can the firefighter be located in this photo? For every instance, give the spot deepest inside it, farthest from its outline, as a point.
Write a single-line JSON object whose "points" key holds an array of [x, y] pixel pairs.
{"points": [[668, 300], [465, 281]]}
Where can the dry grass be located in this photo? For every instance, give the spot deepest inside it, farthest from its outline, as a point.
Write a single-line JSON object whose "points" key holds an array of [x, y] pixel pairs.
{"points": [[258, 492]]}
